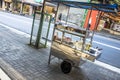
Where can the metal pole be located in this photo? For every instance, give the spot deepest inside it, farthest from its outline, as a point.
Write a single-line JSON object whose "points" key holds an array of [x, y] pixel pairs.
{"points": [[56, 12], [53, 33], [33, 25], [97, 20], [83, 21], [48, 31], [67, 15], [40, 26], [84, 39], [85, 13], [89, 20], [22, 6]]}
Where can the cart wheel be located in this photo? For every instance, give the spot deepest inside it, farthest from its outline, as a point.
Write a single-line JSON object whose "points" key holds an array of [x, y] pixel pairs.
{"points": [[66, 67]]}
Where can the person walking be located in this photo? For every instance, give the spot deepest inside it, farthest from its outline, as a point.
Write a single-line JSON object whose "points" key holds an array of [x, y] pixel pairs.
{"points": [[60, 17]]}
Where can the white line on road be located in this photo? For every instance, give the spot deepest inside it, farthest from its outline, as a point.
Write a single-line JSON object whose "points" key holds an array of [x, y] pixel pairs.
{"points": [[107, 45], [107, 38]]}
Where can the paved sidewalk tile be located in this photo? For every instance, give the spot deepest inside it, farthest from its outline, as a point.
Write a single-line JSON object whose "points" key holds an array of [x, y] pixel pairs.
{"points": [[32, 63]]}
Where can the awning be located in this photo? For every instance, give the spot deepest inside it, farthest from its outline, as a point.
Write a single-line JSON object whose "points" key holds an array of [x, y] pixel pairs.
{"points": [[33, 3], [8, 0], [85, 5]]}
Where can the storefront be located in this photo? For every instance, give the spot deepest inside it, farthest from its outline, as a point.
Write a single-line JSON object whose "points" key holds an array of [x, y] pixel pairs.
{"points": [[93, 19], [8, 5], [27, 6]]}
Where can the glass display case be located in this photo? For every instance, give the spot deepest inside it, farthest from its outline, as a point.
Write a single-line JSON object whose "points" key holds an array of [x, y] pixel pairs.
{"points": [[71, 43]]}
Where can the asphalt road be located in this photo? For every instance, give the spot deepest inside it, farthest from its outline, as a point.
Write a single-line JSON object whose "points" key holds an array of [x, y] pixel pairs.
{"points": [[111, 50], [111, 47]]}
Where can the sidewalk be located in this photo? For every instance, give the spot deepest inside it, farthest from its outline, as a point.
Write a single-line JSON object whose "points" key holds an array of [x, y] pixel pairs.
{"points": [[22, 62], [3, 75]]}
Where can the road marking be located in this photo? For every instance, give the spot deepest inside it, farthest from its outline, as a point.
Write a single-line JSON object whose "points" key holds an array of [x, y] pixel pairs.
{"points": [[107, 45], [110, 39]]}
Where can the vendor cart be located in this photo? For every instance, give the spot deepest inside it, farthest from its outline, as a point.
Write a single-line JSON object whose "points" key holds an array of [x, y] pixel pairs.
{"points": [[71, 43]]}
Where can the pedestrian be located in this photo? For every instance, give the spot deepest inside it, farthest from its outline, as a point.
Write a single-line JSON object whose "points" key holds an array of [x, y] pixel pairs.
{"points": [[53, 17], [60, 17]]}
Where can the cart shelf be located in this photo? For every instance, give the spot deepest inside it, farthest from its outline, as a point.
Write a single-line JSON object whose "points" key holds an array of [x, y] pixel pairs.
{"points": [[65, 47]]}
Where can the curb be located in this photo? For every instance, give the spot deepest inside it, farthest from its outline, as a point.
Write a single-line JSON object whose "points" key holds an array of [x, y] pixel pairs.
{"points": [[12, 73], [112, 68]]}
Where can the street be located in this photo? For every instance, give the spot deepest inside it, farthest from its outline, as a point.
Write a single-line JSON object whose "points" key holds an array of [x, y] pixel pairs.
{"points": [[111, 48], [110, 52]]}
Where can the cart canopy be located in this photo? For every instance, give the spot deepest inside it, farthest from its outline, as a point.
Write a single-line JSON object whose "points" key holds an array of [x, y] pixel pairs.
{"points": [[111, 8]]}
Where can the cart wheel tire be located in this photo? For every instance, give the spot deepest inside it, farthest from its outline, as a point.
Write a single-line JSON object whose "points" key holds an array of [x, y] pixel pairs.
{"points": [[66, 67]]}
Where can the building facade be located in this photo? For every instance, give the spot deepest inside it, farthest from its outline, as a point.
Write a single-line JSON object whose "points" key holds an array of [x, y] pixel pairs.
{"points": [[5, 4], [24, 6]]}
